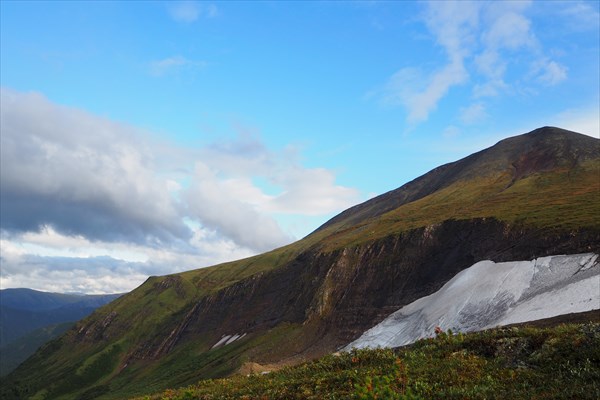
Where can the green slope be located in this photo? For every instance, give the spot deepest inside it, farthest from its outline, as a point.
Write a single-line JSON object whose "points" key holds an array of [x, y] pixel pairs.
{"points": [[20, 349], [540, 189], [565, 199], [561, 362]]}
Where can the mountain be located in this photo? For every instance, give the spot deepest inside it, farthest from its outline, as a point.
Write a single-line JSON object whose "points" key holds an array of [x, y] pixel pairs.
{"points": [[35, 300], [530, 196], [17, 351], [23, 311]]}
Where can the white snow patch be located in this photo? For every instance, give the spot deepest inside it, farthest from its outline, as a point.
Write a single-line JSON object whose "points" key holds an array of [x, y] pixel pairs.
{"points": [[490, 294], [224, 339], [234, 338], [228, 339]]}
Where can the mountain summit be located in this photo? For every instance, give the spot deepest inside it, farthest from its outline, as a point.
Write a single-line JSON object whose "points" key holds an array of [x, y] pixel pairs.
{"points": [[518, 157], [529, 196]]}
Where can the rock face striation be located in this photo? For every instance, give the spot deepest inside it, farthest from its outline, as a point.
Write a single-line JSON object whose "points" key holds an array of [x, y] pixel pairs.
{"points": [[492, 294], [526, 198]]}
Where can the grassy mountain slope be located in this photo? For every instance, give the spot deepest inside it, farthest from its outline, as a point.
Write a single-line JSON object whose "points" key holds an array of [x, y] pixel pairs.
{"points": [[510, 160], [29, 318], [528, 196], [16, 323], [517, 363], [534, 178], [20, 349]]}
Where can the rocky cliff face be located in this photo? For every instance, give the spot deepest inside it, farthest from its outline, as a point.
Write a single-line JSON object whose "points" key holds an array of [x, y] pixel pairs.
{"points": [[338, 295]]}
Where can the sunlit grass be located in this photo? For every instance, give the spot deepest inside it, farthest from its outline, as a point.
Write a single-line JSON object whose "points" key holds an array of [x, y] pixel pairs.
{"points": [[564, 199], [517, 363]]}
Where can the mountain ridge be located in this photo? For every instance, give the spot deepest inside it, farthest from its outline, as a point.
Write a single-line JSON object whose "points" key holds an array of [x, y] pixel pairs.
{"points": [[449, 173], [38, 308], [313, 296], [29, 318]]}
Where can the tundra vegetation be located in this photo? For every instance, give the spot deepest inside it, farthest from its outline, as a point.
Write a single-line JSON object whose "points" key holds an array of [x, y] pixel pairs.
{"points": [[561, 362]]}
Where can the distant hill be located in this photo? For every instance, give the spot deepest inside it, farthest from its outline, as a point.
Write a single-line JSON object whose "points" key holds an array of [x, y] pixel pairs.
{"points": [[23, 311], [17, 351], [527, 197], [35, 300]]}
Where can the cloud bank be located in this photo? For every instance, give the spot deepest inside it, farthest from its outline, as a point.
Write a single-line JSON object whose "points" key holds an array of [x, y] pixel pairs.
{"points": [[81, 174], [88, 201]]}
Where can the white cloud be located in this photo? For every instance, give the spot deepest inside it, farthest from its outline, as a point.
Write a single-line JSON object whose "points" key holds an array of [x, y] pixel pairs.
{"points": [[65, 274], [96, 204], [452, 25], [53, 262], [490, 64], [311, 192], [224, 197], [425, 101], [48, 242], [510, 35], [101, 280], [473, 114], [506, 31], [418, 94], [550, 72], [307, 191], [80, 174], [508, 27], [490, 88], [191, 11], [215, 204], [486, 44], [175, 63], [579, 15]]}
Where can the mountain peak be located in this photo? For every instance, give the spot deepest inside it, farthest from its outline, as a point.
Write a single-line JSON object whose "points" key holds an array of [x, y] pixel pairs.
{"points": [[540, 150]]}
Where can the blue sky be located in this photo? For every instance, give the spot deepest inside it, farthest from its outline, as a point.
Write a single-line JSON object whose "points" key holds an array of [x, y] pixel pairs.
{"points": [[144, 138]]}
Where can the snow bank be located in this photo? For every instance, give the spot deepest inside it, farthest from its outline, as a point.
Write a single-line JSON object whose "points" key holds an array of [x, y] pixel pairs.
{"points": [[490, 294], [227, 339]]}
